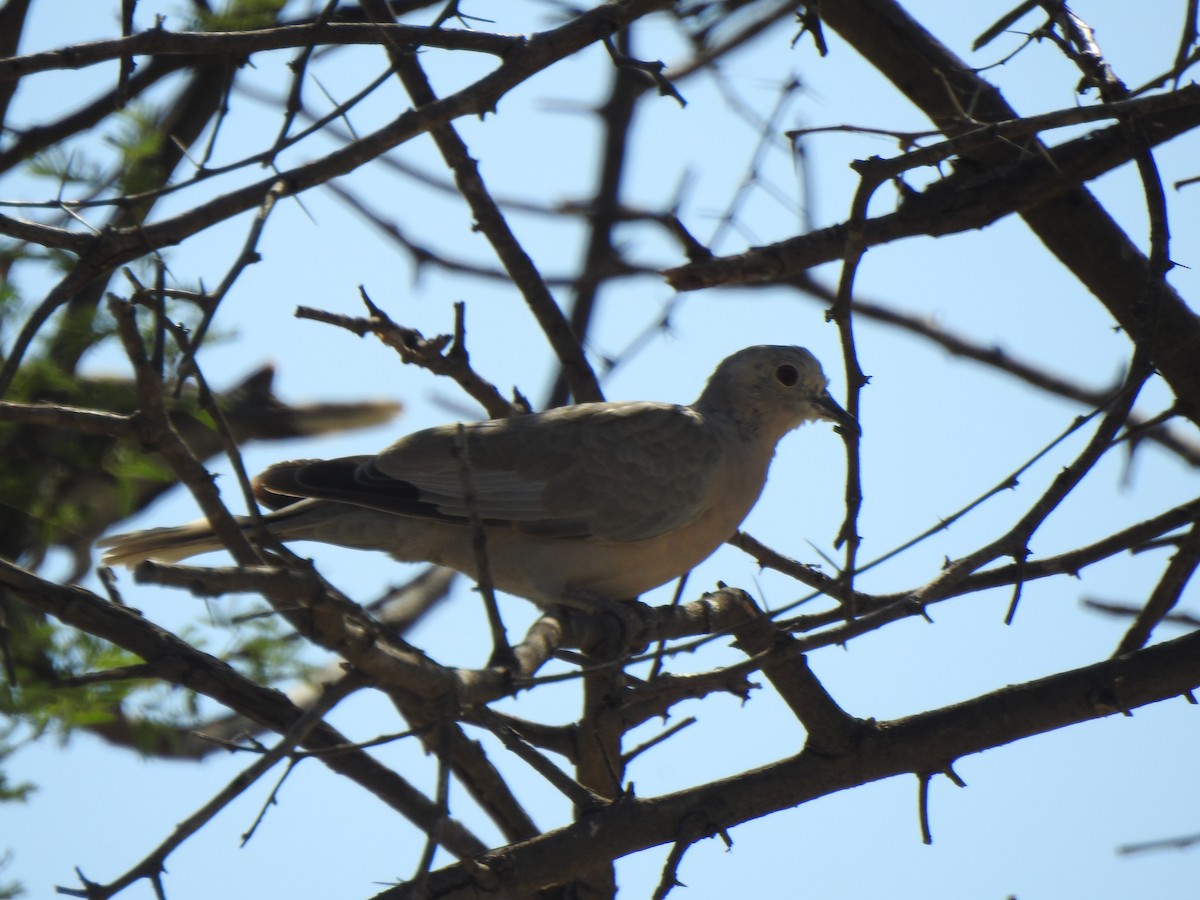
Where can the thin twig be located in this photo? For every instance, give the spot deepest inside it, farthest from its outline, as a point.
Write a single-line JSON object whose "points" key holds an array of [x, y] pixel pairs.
{"points": [[153, 865], [502, 654]]}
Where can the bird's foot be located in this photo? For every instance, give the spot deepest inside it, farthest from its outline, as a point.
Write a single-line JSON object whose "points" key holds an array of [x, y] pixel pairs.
{"points": [[630, 625]]}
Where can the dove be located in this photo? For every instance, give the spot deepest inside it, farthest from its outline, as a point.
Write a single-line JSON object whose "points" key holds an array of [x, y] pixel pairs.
{"points": [[604, 500]]}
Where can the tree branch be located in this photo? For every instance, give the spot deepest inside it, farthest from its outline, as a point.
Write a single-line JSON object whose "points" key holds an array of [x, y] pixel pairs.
{"points": [[921, 743]]}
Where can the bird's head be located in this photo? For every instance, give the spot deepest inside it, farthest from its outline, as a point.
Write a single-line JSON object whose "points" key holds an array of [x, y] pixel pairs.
{"points": [[776, 388]]}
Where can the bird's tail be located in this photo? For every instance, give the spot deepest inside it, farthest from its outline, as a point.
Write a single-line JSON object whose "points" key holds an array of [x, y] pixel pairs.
{"points": [[164, 545], [332, 523], [339, 523]]}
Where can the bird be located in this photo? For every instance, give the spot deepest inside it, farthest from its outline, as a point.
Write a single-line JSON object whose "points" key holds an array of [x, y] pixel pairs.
{"points": [[605, 500]]}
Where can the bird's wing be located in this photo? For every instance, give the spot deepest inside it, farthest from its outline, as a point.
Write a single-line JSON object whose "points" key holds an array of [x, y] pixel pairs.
{"points": [[608, 471]]}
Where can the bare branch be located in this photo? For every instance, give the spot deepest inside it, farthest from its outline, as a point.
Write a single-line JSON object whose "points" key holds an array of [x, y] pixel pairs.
{"points": [[922, 742], [207, 675], [160, 42]]}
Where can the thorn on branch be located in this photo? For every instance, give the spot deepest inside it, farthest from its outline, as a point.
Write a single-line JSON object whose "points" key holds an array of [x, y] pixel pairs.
{"points": [[451, 11], [953, 776], [695, 251], [810, 23], [923, 806], [88, 886], [653, 70], [1105, 700]]}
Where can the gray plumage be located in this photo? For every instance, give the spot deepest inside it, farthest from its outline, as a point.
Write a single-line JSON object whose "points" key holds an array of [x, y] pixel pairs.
{"points": [[603, 499]]}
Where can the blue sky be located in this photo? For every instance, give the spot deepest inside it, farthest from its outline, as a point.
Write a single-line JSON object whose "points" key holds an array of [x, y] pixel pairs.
{"points": [[1039, 819]]}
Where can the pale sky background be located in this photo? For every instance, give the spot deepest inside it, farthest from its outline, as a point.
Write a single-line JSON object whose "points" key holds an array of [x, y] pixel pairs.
{"points": [[1040, 819]]}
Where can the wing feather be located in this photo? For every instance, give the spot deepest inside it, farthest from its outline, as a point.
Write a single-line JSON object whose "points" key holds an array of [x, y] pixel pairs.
{"points": [[578, 471]]}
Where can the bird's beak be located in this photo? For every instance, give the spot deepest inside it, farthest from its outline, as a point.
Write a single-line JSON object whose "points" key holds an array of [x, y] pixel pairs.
{"points": [[829, 409]]}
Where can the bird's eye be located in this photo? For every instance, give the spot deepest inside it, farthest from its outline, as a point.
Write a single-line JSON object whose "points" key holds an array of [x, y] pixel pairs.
{"points": [[787, 375]]}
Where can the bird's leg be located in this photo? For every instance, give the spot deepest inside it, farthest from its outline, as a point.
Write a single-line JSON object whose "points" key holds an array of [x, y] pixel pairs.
{"points": [[629, 623]]}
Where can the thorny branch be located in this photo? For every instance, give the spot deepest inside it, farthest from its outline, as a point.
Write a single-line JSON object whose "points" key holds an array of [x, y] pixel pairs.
{"points": [[442, 355], [1000, 168], [919, 743], [152, 867]]}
